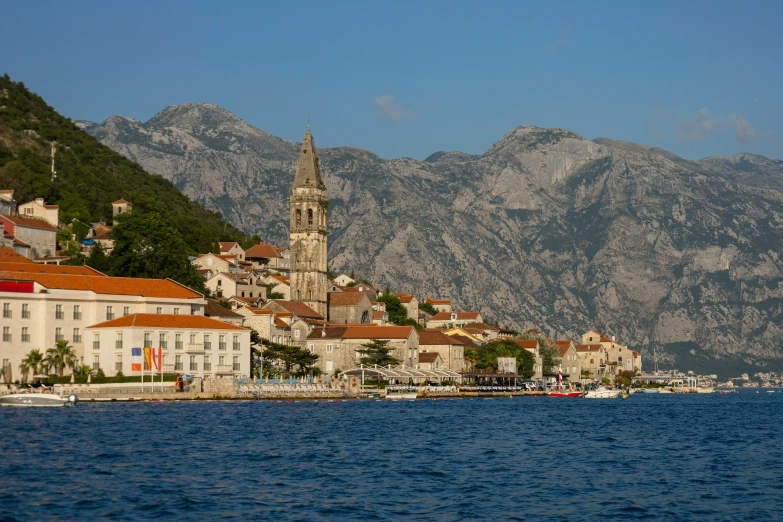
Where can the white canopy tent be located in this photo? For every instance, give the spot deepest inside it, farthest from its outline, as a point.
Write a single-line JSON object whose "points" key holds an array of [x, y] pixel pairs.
{"points": [[404, 373]]}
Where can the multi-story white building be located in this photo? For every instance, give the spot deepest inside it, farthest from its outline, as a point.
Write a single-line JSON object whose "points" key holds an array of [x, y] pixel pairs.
{"points": [[191, 344], [40, 309]]}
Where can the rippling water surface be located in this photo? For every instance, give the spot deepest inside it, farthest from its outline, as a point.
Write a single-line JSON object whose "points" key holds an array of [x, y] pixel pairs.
{"points": [[696, 457]]}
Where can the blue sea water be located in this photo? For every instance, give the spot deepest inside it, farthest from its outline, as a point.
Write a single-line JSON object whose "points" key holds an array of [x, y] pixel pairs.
{"points": [[694, 457]]}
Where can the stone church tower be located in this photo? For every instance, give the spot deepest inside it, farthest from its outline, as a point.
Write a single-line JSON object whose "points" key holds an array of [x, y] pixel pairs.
{"points": [[308, 233]]}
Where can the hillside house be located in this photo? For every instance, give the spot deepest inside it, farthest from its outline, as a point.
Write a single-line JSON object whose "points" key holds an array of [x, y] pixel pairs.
{"points": [[36, 233], [454, 319], [121, 206], [441, 305], [232, 248], [410, 303], [7, 202], [570, 362], [38, 209], [431, 361], [349, 308], [451, 350]]}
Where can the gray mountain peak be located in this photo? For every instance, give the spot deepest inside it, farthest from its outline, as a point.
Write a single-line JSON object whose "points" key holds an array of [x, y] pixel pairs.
{"points": [[546, 229]]}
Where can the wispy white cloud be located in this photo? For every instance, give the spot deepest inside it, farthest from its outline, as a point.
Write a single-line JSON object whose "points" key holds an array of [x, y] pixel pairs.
{"points": [[704, 124], [389, 107], [563, 41]]}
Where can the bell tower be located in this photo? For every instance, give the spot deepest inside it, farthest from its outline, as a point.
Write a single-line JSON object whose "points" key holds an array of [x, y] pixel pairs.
{"points": [[308, 206]]}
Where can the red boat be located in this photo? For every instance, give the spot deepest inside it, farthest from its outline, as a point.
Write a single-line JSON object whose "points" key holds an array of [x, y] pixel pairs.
{"points": [[565, 393]]}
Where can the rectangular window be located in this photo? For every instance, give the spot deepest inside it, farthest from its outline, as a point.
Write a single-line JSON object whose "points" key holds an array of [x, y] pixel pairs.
{"points": [[221, 342], [118, 362], [296, 334], [147, 340], [311, 347], [58, 334], [207, 342], [207, 364], [118, 342], [328, 348], [25, 311], [7, 311], [58, 312], [236, 342], [192, 338], [236, 364], [178, 342], [162, 341], [176, 311], [222, 360], [159, 310], [96, 341], [6, 334], [25, 335], [193, 363], [126, 310], [178, 363], [96, 362], [77, 335], [109, 313], [77, 312]]}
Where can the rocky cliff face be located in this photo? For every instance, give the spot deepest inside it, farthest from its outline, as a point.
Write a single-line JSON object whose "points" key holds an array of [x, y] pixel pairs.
{"points": [[545, 229]]}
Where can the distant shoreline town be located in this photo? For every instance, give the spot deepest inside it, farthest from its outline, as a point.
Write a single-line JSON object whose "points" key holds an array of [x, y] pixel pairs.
{"points": [[270, 313]]}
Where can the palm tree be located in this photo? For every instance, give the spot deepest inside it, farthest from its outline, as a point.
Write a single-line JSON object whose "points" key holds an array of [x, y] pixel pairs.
{"points": [[60, 356], [34, 362]]}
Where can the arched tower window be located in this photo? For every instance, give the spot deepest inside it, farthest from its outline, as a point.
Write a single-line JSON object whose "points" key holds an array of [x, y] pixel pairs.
{"points": [[298, 217], [310, 216]]}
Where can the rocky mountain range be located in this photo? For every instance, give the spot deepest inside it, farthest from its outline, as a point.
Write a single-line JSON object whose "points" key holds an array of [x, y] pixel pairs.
{"points": [[545, 229]]}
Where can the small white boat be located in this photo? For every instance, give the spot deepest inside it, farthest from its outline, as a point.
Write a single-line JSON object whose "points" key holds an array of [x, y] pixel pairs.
{"points": [[603, 393], [37, 400], [705, 389]]}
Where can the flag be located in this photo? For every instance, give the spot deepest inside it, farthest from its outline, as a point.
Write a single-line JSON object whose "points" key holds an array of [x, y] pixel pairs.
{"points": [[135, 359], [147, 358], [157, 358]]}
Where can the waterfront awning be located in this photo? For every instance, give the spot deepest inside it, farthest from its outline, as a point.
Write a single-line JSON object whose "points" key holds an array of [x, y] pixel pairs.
{"points": [[402, 372]]}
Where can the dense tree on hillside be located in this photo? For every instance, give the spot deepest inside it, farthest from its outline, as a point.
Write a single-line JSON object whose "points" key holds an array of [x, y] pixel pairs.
{"points": [[89, 175], [98, 259], [147, 245], [423, 305]]}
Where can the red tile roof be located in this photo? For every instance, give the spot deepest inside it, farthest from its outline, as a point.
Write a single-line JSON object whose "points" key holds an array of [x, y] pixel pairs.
{"points": [[215, 309], [48, 269], [461, 316], [107, 285], [588, 347], [30, 222], [435, 336], [345, 298], [281, 324], [467, 341], [529, 344], [376, 314], [438, 301], [297, 308], [428, 357], [404, 298], [562, 347], [12, 256], [261, 250], [167, 321], [225, 246]]}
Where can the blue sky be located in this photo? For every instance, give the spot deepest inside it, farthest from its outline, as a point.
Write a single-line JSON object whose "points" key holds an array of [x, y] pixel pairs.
{"points": [[412, 78]]}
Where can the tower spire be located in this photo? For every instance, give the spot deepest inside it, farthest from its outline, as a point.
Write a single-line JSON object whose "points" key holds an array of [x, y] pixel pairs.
{"points": [[308, 170]]}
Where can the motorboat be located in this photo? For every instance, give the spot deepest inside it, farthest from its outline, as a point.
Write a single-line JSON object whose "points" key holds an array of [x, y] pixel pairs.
{"points": [[705, 389], [564, 390], [665, 390], [35, 399], [603, 392], [651, 390]]}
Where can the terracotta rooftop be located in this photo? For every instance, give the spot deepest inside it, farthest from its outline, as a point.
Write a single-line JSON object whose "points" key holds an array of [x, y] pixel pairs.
{"points": [[29, 222], [435, 336], [461, 316], [483, 326], [164, 288], [588, 347], [377, 314], [261, 250], [225, 246], [362, 332], [529, 344], [345, 298], [37, 268], [563, 346], [438, 301], [404, 298], [467, 341], [121, 202], [428, 357], [11, 255], [281, 324], [300, 309], [167, 321]]}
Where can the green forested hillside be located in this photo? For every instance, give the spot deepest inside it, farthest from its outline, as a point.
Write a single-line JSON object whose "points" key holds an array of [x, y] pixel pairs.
{"points": [[89, 175]]}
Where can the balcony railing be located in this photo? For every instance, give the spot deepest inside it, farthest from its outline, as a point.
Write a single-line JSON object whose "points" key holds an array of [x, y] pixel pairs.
{"points": [[193, 367], [221, 346], [224, 369], [207, 346], [25, 314], [96, 345], [6, 338], [7, 314], [109, 316], [178, 345], [178, 367], [25, 338], [237, 347], [194, 348], [118, 366], [59, 314], [77, 338], [207, 367], [77, 316], [118, 345], [58, 337]]}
